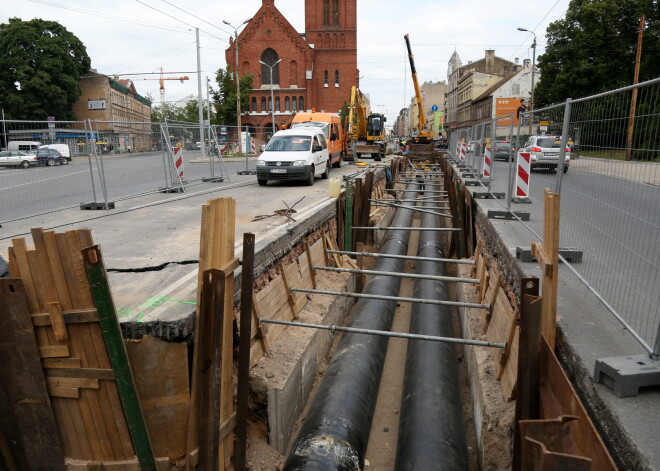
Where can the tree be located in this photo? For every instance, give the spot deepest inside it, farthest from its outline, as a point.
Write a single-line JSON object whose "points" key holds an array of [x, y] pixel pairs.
{"points": [[592, 49], [40, 68], [225, 96], [188, 113]]}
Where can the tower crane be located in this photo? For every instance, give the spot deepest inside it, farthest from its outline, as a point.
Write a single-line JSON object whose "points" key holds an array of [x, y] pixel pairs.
{"points": [[161, 79]]}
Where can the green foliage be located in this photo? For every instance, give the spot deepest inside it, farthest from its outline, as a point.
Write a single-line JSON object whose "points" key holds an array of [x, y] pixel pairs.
{"points": [[40, 68], [225, 96], [188, 113], [343, 113], [592, 49]]}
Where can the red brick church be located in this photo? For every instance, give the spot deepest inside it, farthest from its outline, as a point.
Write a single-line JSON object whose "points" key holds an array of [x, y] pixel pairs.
{"points": [[317, 68]]}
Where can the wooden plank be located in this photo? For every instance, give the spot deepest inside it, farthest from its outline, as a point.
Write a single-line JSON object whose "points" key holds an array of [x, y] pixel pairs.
{"points": [[52, 251], [34, 437], [478, 258], [20, 253], [326, 255], [258, 329], [316, 252], [305, 272], [310, 264], [509, 374], [587, 439], [289, 296], [335, 256], [54, 351], [70, 317], [490, 297], [57, 320], [500, 323], [61, 362], [90, 373], [509, 344], [294, 279], [551, 248], [59, 391], [43, 266], [79, 383]]}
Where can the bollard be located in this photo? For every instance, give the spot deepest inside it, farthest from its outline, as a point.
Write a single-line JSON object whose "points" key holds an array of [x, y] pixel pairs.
{"points": [[522, 177]]}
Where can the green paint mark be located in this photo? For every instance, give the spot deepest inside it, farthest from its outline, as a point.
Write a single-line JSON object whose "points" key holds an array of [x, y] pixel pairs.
{"points": [[151, 303]]}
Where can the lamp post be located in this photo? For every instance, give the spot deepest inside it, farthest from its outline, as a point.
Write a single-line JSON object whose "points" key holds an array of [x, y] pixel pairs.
{"points": [[272, 98], [531, 100], [238, 90]]}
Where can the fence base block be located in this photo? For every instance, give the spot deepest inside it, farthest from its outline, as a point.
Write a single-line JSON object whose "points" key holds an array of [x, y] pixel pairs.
{"points": [[488, 196], [468, 174], [246, 172], [570, 254], [508, 215], [171, 189], [97, 206], [625, 375], [213, 180], [471, 182], [521, 200]]}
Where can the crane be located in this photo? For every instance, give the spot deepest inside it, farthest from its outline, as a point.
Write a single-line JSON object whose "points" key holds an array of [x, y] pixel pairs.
{"points": [[161, 81], [423, 133]]}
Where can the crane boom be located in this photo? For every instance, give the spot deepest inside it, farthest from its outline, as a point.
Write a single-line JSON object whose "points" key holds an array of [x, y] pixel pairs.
{"points": [[423, 134]]}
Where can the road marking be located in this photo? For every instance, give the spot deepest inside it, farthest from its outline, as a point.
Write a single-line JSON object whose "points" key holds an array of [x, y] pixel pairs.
{"points": [[41, 181]]}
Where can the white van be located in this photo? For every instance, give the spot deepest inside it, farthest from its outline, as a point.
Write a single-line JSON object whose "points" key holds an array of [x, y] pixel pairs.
{"points": [[23, 145], [294, 154], [61, 148]]}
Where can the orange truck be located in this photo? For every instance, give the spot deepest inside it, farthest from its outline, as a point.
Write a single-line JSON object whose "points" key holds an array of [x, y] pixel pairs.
{"points": [[332, 128]]}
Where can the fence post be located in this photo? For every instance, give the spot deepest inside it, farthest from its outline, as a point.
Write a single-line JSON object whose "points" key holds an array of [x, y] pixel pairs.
{"points": [[562, 144], [512, 168], [99, 159], [89, 158]]}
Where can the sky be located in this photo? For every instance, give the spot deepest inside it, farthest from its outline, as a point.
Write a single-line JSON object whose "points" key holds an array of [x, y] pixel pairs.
{"points": [[141, 36]]}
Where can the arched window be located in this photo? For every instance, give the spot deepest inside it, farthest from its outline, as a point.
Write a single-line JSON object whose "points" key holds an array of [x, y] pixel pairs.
{"points": [[326, 12], [246, 68], [294, 104], [277, 103], [301, 104], [270, 104], [336, 78], [263, 104], [293, 73], [335, 12], [254, 104], [325, 78], [269, 57], [287, 104]]}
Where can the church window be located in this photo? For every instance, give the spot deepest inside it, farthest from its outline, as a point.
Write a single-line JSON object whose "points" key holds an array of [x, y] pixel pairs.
{"points": [[269, 57]]}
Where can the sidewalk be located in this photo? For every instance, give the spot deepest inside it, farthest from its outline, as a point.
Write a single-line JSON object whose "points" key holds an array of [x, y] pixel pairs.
{"points": [[641, 172]]}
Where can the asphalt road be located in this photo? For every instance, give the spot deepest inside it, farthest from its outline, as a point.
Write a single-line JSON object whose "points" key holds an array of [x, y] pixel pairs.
{"points": [[39, 190]]}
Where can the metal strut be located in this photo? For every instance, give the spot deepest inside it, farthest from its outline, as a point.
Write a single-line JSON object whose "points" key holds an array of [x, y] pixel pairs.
{"points": [[414, 276]]}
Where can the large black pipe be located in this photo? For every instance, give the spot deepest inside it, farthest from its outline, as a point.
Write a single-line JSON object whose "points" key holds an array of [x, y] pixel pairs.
{"points": [[431, 427], [335, 433]]}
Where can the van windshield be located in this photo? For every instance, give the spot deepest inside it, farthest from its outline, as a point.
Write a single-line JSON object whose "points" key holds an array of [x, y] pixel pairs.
{"points": [[289, 143], [313, 124]]}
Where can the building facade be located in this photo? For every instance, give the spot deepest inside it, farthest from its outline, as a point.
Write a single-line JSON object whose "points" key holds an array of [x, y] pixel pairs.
{"points": [[303, 71], [433, 98], [118, 109]]}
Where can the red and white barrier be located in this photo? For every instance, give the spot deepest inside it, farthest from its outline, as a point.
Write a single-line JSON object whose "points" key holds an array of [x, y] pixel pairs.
{"points": [[178, 161], [463, 151], [457, 153], [522, 175], [253, 147], [487, 163]]}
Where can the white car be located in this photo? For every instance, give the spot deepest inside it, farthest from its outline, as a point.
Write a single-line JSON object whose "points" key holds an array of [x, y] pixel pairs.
{"points": [[544, 152], [294, 154], [16, 158]]}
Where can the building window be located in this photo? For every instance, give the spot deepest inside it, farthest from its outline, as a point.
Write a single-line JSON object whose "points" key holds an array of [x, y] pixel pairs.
{"points": [[301, 104], [294, 104], [263, 104], [277, 104], [326, 12], [325, 78], [293, 73], [254, 104], [246, 68], [336, 78], [515, 89], [335, 12], [287, 104], [270, 104], [269, 57]]}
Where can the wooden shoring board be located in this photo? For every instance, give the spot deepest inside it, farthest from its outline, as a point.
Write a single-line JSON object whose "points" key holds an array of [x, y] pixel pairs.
{"points": [[34, 436], [335, 257], [469, 223], [489, 297], [306, 272], [316, 252], [216, 251], [287, 289], [478, 258], [509, 371], [501, 323], [310, 262], [294, 279], [92, 426], [551, 211], [558, 397]]}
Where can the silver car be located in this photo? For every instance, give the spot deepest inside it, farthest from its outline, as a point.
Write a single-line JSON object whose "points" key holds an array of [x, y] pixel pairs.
{"points": [[16, 158], [544, 152]]}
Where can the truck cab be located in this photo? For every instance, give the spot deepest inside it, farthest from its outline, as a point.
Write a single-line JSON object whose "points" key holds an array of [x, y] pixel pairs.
{"points": [[332, 128]]}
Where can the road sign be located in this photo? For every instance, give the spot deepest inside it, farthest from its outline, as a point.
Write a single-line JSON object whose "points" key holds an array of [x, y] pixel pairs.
{"points": [[544, 123], [434, 108]]}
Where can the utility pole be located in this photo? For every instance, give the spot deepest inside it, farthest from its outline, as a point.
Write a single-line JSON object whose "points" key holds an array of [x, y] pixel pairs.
{"points": [[272, 97], [208, 113], [633, 100], [531, 99], [200, 105]]}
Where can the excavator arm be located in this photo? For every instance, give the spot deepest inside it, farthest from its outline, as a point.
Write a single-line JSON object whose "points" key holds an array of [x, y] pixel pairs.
{"points": [[423, 134]]}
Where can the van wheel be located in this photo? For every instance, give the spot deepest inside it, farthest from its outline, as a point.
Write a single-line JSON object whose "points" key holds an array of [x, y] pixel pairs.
{"points": [[310, 179], [325, 174], [565, 168], [337, 164], [25, 164], [262, 181], [50, 162]]}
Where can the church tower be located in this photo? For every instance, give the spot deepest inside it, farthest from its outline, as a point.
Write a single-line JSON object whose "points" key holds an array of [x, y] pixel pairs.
{"points": [[331, 29]]}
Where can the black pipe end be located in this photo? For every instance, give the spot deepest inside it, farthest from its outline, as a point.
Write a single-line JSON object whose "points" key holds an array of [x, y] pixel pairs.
{"points": [[323, 453]]}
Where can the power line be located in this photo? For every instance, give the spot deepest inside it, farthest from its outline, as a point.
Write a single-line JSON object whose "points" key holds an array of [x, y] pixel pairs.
{"points": [[197, 17]]}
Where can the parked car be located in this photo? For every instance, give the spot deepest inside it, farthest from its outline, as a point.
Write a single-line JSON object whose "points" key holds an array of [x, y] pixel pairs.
{"points": [[544, 152], [61, 148], [50, 157], [294, 154], [16, 158], [502, 150]]}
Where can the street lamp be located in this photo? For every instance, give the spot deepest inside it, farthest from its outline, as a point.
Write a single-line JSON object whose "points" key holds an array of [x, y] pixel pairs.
{"points": [[272, 99], [531, 100], [238, 90]]}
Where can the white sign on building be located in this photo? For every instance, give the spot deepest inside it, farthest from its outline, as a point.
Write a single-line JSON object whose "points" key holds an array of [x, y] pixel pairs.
{"points": [[96, 104]]}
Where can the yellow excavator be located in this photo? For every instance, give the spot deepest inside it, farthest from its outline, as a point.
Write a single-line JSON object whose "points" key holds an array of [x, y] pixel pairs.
{"points": [[424, 134], [366, 134]]}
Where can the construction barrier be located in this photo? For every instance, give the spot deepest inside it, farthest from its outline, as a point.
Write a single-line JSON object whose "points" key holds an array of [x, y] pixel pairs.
{"points": [[463, 151], [487, 161], [178, 161], [253, 147], [457, 152], [522, 175]]}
